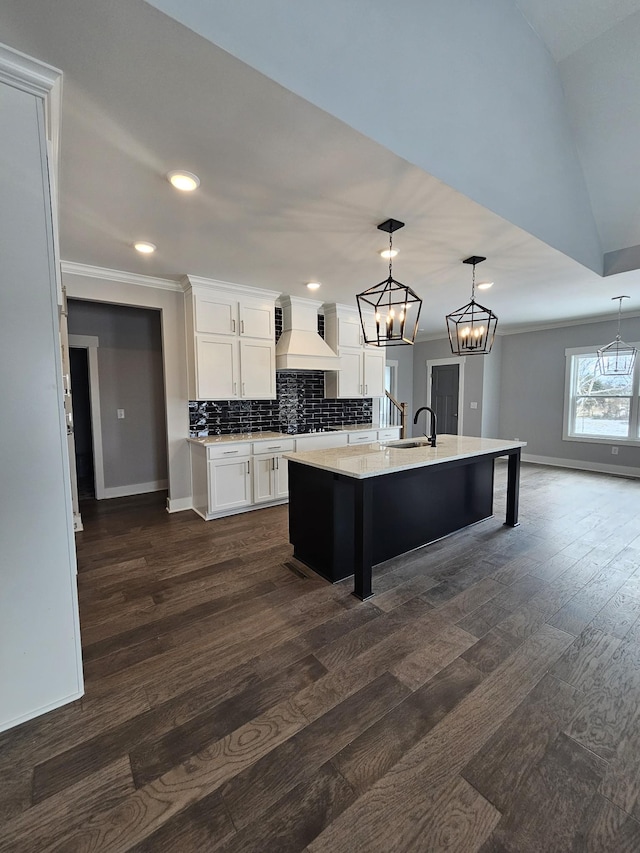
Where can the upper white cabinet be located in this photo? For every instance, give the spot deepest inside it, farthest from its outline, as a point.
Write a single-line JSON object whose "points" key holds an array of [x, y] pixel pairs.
{"points": [[230, 341], [362, 366]]}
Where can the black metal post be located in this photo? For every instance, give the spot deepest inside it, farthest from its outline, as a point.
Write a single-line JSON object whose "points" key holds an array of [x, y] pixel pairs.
{"points": [[363, 538], [513, 488]]}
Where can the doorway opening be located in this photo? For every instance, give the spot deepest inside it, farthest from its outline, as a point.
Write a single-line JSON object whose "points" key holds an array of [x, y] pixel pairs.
{"points": [[445, 393], [83, 433]]}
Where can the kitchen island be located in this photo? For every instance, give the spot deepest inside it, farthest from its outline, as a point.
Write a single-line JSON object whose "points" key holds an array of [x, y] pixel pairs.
{"points": [[351, 508]]}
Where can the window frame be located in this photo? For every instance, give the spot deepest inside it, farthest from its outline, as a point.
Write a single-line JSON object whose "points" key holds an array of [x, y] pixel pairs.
{"points": [[570, 402]]}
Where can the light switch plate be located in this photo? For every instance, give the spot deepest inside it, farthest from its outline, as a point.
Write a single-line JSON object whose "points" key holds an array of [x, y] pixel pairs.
{"points": [[120, 414], [473, 405]]}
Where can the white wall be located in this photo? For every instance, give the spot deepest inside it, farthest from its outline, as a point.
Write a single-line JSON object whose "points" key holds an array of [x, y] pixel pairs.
{"points": [[465, 90], [117, 288], [40, 664]]}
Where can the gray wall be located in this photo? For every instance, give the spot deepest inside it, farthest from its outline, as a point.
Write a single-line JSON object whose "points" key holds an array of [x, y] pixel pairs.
{"points": [[404, 356], [473, 420], [492, 375], [130, 378], [532, 391]]}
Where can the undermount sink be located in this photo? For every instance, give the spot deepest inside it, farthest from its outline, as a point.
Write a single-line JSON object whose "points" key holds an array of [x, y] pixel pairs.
{"points": [[406, 444]]}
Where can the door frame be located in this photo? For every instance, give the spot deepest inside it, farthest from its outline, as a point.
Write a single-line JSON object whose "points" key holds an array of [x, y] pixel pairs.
{"points": [[91, 344], [459, 360]]}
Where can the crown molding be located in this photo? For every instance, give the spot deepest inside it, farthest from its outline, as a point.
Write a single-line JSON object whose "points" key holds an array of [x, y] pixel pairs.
{"points": [[88, 271], [189, 281], [542, 327], [22, 71]]}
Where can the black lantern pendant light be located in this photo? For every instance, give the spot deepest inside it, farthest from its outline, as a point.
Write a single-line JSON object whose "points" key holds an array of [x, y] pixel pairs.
{"points": [[396, 307], [472, 328], [617, 358]]}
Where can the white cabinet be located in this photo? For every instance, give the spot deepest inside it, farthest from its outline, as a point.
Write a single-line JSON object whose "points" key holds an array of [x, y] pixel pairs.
{"points": [[232, 477], [389, 434], [363, 436], [229, 483], [321, 440], [362, 367], [228, 477], [270, 470], [230, 341]]}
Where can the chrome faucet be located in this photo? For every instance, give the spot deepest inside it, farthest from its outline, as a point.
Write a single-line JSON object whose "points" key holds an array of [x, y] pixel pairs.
{"points": [[432, 437]]}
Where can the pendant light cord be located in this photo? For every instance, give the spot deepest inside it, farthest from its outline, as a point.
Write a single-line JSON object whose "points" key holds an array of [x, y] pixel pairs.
{"points": [[390, 251]]}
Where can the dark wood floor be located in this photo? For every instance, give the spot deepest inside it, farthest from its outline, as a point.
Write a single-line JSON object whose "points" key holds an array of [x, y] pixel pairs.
{"points": [[486, 699]]}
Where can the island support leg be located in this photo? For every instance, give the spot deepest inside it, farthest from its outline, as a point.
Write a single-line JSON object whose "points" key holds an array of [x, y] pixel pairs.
{"points": [[513, 489], [363, 535]]}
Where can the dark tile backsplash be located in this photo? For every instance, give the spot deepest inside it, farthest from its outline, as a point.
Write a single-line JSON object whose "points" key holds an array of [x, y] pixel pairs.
{"points": [[300, 407]]}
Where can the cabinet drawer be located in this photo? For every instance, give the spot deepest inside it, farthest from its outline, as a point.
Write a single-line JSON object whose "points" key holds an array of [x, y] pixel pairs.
{"points": [[271, 447], [363, 437], [388, 434], [228, 450]]}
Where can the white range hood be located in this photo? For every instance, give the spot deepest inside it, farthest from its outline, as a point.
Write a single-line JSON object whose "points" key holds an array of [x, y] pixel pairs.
{"points": [[300, 347]]}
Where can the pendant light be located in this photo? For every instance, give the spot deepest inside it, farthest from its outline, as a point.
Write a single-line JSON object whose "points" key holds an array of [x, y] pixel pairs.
{"points": [[472, 328], [396, 307], [617, 358]]}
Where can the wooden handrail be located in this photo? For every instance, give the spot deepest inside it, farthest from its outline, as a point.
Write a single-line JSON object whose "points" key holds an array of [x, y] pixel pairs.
{"points": [[402, 408]]}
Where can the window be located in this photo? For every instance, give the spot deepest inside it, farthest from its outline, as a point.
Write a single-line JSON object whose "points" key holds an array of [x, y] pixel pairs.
{"points": [[597, 407]]}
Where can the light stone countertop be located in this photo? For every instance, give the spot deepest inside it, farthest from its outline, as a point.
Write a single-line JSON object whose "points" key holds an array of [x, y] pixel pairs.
{"points": [[377, 458], [242, 436], [270, 436]]}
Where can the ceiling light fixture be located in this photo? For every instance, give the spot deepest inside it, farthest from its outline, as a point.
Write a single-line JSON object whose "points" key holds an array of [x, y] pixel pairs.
{"points": [[396, 306], [484, 285], [144, 248], [313, 285], [388, 253], [617, 358], [472, 328], [185, 181]]}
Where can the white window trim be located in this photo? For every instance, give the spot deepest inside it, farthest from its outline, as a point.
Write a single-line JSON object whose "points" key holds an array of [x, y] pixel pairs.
{"points": [[634, 414]]}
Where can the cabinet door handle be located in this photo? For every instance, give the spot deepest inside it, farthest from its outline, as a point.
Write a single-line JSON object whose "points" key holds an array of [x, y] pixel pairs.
{"points": [[273, 464], [275, 447], [235, 389], [228, 452], [248, 467], [278, 462], [242, 327], [366, 390], [243, 389], [233, 325]]}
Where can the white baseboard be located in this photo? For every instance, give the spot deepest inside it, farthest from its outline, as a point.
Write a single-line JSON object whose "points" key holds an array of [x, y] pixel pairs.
{"points": [[134, 489], [179, 504], [579, 465], [23, 718]]}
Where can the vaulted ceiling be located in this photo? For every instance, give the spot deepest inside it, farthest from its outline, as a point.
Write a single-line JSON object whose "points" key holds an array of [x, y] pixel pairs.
{"points": [[503, 129]]}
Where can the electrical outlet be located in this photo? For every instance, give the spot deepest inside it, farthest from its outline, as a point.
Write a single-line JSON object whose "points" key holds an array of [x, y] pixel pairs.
{"points": [[614, 451], [473, 405], [120, 413]]}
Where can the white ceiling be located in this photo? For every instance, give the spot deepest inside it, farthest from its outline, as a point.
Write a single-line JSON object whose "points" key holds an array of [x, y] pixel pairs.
{"points": [[288, 193]]}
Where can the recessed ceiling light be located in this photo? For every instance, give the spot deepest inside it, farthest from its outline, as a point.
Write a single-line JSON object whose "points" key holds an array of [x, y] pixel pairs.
{"points": [[484, 285], [144, 248], [185, 181], [313, 285], [388, 253]]}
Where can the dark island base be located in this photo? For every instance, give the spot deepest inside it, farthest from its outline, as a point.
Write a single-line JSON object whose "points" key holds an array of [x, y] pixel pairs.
{"points": [[407, 509]]}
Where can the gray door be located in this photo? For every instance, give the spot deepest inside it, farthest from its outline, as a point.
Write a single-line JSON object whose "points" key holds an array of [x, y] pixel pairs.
{"points": [[444, 396]]}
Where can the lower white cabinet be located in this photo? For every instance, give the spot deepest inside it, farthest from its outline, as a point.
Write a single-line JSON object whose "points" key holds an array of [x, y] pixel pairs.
{"points": [[229, 483], [231, 477], [271, 471]]}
